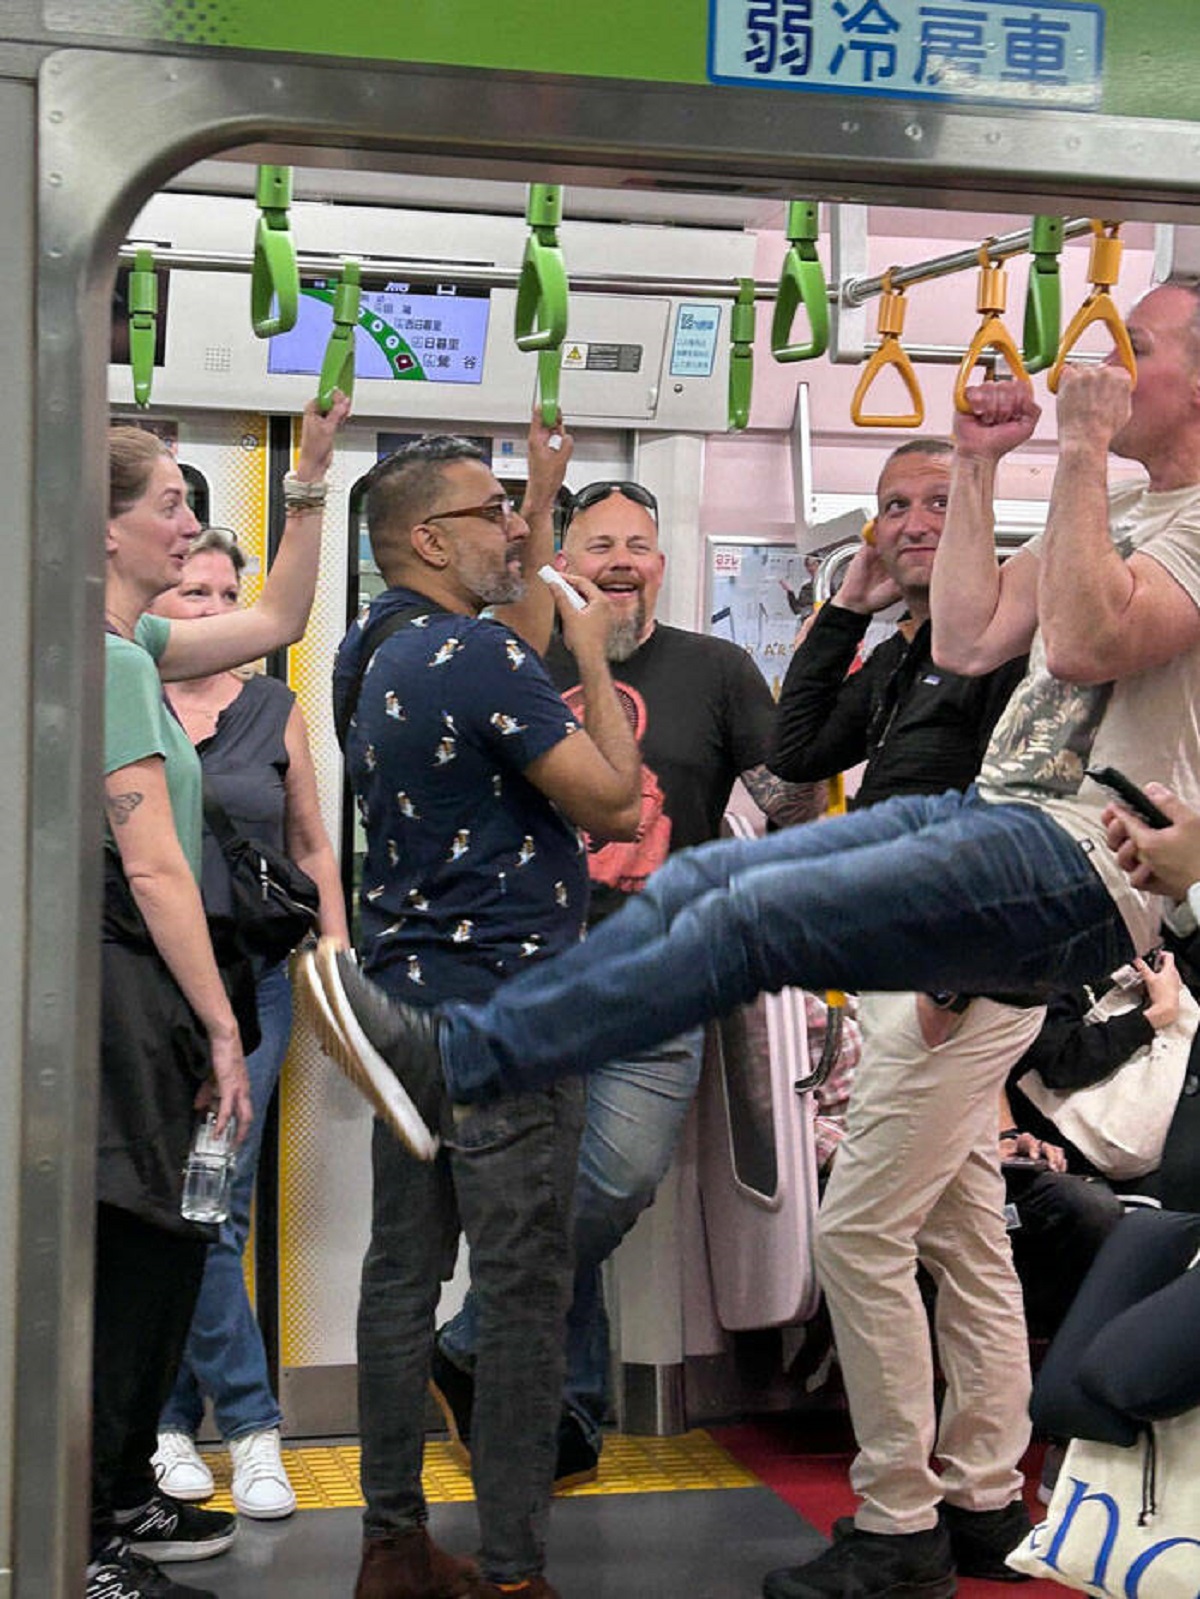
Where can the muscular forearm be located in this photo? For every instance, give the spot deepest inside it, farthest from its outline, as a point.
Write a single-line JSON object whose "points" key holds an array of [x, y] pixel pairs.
{"points": [[608, 727], [964, 594], [1084, 587]]}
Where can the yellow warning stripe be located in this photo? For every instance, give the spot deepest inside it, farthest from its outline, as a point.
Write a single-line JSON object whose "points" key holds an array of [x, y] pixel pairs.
{"points": [[326, 1477]]}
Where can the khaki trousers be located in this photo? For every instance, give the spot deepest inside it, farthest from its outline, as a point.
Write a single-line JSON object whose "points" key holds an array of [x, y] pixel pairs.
{"points": [[917, 1177]]}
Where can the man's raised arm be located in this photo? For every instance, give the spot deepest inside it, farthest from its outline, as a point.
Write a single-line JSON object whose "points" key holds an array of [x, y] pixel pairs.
{"points": [[982, 613]]}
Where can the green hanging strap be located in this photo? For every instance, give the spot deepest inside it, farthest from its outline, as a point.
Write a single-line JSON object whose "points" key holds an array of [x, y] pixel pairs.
{"points": [[540, 323], [1043, 296], [801, 283], [741, 354], [143, 324], [274, 276], [337, 369]]}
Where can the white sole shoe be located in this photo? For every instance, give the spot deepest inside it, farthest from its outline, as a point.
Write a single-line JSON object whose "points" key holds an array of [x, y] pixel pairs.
{"points": [[181, 1470], [261, 1487], [340, 1034]]}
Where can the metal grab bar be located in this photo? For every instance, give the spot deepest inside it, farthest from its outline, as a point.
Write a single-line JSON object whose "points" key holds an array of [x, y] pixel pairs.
{"points": [[857, 291], [801, 283], [990, 300], [1104, 269], [890, 353]]}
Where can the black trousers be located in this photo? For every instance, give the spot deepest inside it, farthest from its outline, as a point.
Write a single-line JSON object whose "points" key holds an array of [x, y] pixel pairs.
{"points": [[1127, 1352], [1064, 1219], [147, 1281]]}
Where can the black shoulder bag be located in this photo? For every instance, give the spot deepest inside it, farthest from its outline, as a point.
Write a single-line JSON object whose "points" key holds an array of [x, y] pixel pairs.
{"points": [[272, 903], [381, 628]]}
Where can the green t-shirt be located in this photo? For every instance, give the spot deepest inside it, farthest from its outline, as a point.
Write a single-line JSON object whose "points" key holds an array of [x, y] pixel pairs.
{"points": [[138, 723]]}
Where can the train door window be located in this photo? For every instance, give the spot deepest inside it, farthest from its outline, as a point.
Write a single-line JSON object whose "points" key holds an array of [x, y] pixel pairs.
{"points": [[197, 492], [742, 1045]]}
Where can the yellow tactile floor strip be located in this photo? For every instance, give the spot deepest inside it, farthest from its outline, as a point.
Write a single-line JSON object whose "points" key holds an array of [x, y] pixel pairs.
{"points": [[326, 1477]]}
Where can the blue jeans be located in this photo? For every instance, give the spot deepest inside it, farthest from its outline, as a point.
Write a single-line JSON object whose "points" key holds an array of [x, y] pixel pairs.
{"points": [[635, 1110], [224, 1357], [922, 892], [506, 1172]]}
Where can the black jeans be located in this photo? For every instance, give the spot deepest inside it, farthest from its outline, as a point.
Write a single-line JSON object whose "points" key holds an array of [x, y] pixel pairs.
{"points": [[1064, 1220], [506, 1174], [147, 1280], [1127, 1352]]}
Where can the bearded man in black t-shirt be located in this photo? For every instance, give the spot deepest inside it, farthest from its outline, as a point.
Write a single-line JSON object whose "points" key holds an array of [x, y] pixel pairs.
{"points": [[704, 717]]}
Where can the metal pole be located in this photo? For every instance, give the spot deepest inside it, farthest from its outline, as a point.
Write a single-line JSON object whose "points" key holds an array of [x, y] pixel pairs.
{"points": [[857, 291]]}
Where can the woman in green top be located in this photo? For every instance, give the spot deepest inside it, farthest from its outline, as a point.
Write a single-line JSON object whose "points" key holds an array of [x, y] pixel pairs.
{"points": [[169, 1037]]}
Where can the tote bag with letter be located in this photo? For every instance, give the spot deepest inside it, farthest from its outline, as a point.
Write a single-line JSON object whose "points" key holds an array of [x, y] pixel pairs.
{"points": [[1120, 1123], [1124, 1522]]}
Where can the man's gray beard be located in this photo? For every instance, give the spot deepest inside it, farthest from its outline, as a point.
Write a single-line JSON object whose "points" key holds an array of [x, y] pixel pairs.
{"points": [[506, 588], [625, 635], [489, 586]]}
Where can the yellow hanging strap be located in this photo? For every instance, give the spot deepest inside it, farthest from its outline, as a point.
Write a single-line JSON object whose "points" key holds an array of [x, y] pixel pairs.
{"points": [[990, 300], [890, 353], [1103, 271]]}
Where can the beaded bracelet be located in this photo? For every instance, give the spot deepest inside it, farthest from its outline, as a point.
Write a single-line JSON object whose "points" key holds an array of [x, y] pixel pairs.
{"points": [[301, 496]]}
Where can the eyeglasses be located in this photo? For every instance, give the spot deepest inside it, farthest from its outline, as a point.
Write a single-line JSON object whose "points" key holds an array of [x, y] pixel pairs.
{"points": [[595, 492], [498, 512]]}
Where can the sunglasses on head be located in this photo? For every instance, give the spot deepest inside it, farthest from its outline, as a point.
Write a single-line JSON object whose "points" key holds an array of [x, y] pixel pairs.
{"points": [[595, 492]]}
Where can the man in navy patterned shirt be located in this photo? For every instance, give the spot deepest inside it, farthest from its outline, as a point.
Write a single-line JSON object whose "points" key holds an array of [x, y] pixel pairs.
{"points": [[472, 778]]}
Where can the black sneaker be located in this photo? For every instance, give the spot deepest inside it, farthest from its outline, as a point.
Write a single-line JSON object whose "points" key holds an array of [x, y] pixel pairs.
{"points": [[387, 1049], [167, 1529], [871, 1565], [119, 1573], [980, 1540], [453, 1390], [578, 1459]]}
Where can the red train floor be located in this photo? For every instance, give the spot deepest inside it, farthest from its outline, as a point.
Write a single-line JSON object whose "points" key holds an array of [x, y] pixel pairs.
{"points": [[806, 1461]]}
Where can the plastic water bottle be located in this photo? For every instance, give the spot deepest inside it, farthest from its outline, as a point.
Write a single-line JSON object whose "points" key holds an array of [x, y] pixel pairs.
{"points": [[208, 1175]]}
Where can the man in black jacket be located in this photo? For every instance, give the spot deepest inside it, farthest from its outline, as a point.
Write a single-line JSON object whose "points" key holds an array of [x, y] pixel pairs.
{"points": [[920, 729], [917, 1174]]}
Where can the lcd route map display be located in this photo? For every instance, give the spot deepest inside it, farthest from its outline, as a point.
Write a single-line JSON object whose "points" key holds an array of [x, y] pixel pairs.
{"points": [[413, 332]]}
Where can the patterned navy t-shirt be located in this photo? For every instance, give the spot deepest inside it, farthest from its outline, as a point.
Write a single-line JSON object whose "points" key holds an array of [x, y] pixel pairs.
{"points": [[470, 871]]}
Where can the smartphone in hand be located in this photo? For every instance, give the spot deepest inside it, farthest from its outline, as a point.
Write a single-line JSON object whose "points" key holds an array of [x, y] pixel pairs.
{"points": [[1129, 794]]}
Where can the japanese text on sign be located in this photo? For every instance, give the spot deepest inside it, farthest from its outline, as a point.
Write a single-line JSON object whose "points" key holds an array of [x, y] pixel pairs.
{"points": [[1017, 52]]}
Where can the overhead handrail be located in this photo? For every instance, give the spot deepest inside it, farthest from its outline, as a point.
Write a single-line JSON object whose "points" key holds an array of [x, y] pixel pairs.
{"points": [[274, 273], [857, 291], [801, 283], [143, 324], [1104, 268], [890, 353], [540, 321], [741, 354], [991, 296], [1043, 294], [337, 369]]}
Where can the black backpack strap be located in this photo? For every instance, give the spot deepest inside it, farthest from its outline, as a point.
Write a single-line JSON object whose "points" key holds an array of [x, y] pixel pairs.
{"points": [[380, 629], [216, 819]]}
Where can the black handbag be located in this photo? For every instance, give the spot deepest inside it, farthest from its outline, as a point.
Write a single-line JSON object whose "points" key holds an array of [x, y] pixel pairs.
{"points": [[269, 904]]}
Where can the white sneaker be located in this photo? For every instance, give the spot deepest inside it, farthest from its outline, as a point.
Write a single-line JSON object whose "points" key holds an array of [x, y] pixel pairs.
{"points": [[182, 1473], [260, 1483]]}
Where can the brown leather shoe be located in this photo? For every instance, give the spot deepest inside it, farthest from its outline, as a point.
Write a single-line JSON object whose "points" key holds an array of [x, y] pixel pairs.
{"points": [[531, 1588], [410, 1565]]}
